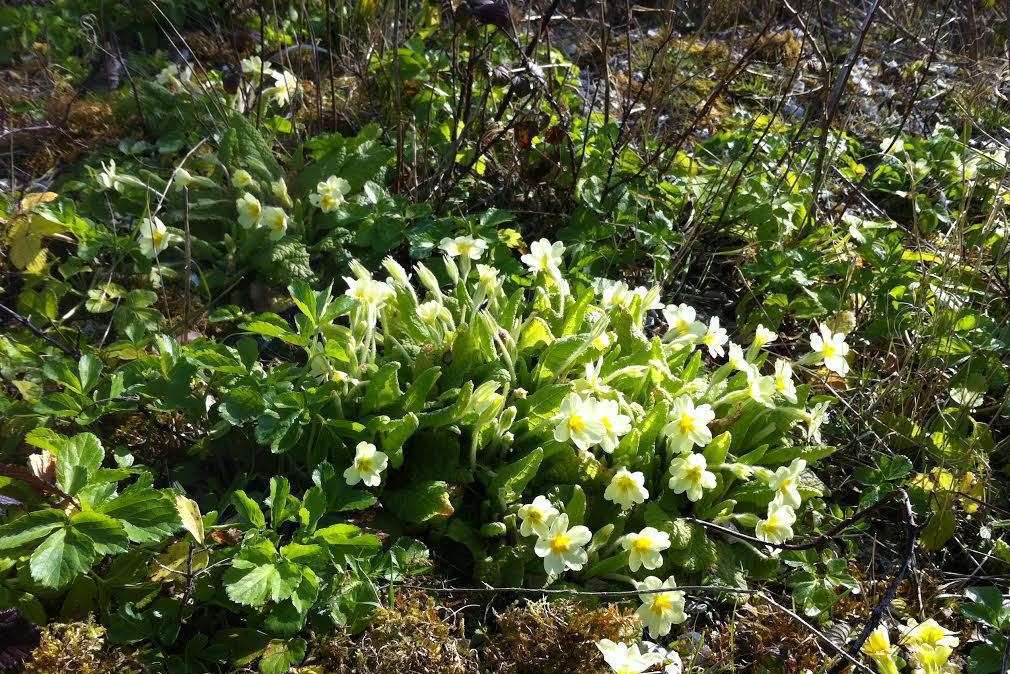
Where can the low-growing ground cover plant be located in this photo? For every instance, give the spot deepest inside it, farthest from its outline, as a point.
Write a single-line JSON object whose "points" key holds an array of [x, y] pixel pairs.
{"points": [[336, 326]]}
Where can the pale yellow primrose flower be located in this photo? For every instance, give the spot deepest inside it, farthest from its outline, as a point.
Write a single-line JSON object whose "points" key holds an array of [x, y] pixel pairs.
{"points": [[613, 422], [784, 380], [561, 547], [276, 222], [930, 633], [241, 179], [624, 659], [683, 326], [878, 648], [660, 610], [627, 488], [714, 338], [368, 292], [688, 475], [367, 466], [763, 336], [831, 349], [536, 517], [777, 527], [250, 211], [577, 422], [544, 256], [785, 482], [465, 246], [329, 194], [931, 659], [688, 425], [645, 548], [153, 236]]}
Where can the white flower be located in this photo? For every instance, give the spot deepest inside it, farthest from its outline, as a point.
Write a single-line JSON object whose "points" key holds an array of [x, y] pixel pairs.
{"points": [[777, 527], [737, 359], [688, 425], [761, 388], [109, 178], [815, 419], [649, 297], [577, 422], [714, 338], [785, 482], [172, 78], [929, 633], [182, 179], [784, 380], [613, 293], [430, 312], [660, 610], [467, 246], [285, 86], [329, 194], [763, 336], [367, 291], [627, 488], [545, 257], [592, 382], [368, 464], [561, 547], [689, 474], [488, 277], [683, 326], [537, 517], [279, 189], [276, 222], [257, 67], [645, 548], [831, 348], [241, 179], [624, 659], [249, 210], [614, 424], [153, 236]]}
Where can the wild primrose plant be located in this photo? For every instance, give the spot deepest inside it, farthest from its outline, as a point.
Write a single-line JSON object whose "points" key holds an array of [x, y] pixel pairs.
{"points": [[534, 421]]}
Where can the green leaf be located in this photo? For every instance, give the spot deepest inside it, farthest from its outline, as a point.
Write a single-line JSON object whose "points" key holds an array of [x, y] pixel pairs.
{"points": [[382, 390], [78, 458], [393, 436], [90, 370], [189, 515], [419, 503], [715, 452], [241, 404], [31, 527], [511, 479], [418, 392], [244, 147], [280, 656], [248, 509], [148, 515], [107, 535], [63, 556], [280, 508], [251, 584]]}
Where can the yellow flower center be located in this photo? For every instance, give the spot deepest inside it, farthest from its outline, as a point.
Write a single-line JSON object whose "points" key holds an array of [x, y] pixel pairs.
{"points": [[686, 423], [157, 237], [363, 464], [693, 474], [642, 544], [828, 350], [576, 424], [661, 603], [626, 483], [561, 543], [535, 516]]}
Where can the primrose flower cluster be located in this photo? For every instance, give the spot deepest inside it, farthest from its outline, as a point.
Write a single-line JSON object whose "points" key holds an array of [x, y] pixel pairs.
{"points": [[929, 647], [558, 377]]}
